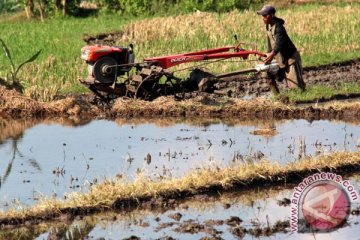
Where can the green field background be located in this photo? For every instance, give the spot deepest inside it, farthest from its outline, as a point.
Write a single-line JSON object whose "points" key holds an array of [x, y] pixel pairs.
{"points": [[323, 34]]}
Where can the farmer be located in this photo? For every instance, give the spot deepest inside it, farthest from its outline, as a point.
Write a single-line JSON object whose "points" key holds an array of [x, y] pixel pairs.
{"points": [[282, 49]]}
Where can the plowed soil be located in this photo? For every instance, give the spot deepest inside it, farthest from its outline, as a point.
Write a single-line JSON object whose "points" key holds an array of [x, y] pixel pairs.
{"points": [[332, 75]]}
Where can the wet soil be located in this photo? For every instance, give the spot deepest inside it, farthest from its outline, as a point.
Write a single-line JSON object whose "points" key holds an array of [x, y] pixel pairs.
{"points": [[332, 75], [228, 102], [236, 224], [83, 108], [172, 199], [233, 224]]}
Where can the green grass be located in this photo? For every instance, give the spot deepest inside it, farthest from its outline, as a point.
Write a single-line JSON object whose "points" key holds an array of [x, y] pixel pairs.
{"points": [[323, 33], [61, 40], [317, 92]]}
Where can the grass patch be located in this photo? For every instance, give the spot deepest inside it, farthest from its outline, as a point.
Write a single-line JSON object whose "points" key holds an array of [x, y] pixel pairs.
{"points": [[59, 66], [112, 193], [315, 93]]}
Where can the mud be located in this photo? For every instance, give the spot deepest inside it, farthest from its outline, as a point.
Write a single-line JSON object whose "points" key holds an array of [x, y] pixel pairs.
{"points": [[103, 38], [227, 102], [172, 199], [332, 75], [234, 226], [233, 220], [154, 220], [83, 108]]}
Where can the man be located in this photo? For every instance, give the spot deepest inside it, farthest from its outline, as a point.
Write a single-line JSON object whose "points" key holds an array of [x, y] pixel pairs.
{"points": [[282, 49]]}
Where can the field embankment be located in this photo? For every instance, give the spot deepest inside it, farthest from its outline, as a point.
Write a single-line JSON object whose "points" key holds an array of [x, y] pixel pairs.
{"points": [[341, 79], [120, 194]]}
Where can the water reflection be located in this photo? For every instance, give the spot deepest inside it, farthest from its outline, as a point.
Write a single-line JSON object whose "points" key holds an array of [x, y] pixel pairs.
{"points": [[52, 159], [207, 215]]}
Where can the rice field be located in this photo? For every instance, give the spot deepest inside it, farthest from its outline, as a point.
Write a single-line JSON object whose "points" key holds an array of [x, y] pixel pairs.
{"points": [[323, 34], [114, 193], [66, 175]]}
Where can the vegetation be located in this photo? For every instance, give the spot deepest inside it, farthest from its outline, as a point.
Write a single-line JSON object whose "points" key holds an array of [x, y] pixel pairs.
{"points": [[9, 6], [319, 92], [59, 66], [323, 34], [14, 82], [105, 195], [140, 7]]}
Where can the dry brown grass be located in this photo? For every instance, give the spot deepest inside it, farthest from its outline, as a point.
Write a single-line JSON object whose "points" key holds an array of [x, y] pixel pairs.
{"points": [[11, 100], [341, 105], [104, 195], [197, 106], [13, 104], [202, 203], [316, 32]]}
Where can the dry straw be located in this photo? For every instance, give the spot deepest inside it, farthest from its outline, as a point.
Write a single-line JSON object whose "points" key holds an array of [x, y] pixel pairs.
{"points": [[105, 194]]}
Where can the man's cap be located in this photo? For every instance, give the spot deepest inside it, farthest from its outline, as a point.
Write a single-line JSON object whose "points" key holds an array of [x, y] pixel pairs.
{"points": [[266, 10]]}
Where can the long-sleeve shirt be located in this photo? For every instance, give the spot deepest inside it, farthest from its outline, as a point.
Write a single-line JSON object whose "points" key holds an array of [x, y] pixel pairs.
{"points": [[282, 43]]}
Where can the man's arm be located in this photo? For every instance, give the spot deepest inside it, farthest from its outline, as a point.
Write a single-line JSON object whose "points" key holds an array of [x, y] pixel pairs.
{"points": [[269, 49], [270, 53], [280, 34]]}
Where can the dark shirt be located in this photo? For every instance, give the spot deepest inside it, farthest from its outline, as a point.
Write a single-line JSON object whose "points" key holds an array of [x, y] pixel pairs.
{"points": [[283, 43]]}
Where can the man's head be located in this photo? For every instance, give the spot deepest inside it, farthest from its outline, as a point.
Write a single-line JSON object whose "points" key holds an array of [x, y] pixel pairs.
{"points": [[268, 13]]}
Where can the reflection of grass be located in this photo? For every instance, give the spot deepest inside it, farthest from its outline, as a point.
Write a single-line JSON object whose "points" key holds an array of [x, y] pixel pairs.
{"points": [[267, 132], [55, 230], [108, 193], [247, 198], [320, 92]]}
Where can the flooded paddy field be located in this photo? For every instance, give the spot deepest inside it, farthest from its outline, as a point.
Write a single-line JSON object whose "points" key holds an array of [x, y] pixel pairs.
{"points": [[260, 213], [53, 159]]}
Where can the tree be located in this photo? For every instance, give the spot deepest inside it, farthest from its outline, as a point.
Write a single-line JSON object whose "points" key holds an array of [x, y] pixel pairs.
{"points": [[29, 8], [35, 8]]}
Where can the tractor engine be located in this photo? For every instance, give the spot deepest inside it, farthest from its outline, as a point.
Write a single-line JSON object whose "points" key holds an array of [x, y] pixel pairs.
{"points": [[106, 63]]}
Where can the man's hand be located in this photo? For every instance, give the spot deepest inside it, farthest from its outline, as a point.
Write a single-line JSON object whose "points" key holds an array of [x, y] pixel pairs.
{"points": [[269, 57]]}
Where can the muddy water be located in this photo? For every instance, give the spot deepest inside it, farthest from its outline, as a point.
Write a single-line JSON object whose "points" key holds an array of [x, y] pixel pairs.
{"points": [[52, 159], [196, 218]]}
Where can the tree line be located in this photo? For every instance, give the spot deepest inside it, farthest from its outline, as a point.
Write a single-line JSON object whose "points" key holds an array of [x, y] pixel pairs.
{"points": [[42, 8]]}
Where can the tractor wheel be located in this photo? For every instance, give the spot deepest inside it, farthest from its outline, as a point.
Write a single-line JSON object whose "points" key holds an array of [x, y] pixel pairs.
{"points": [[105, 70]]}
